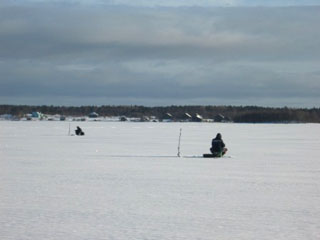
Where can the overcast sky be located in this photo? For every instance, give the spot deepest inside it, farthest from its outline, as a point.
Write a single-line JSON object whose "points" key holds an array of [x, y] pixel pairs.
{"points": [[169, 52]]}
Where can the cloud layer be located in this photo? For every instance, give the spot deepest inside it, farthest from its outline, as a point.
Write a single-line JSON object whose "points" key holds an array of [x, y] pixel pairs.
{"points": [[79, 54]]}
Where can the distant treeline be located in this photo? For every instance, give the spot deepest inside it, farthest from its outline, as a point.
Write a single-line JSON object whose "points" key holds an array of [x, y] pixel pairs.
{"points": [[241, 114]]}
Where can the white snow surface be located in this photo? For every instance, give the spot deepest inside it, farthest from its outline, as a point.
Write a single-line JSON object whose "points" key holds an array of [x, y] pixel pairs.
{"points": [[123, 180]]}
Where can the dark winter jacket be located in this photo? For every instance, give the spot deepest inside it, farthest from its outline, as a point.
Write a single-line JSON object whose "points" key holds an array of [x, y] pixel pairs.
{"points": [[79, 131], [217, 144]]}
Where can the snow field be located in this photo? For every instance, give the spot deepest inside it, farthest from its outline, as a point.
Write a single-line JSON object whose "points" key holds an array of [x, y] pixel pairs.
{"points": [[124, 180]]}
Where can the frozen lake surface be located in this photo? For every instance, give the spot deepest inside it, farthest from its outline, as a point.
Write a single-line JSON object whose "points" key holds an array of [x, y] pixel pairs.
{"points": [[124, 181]]}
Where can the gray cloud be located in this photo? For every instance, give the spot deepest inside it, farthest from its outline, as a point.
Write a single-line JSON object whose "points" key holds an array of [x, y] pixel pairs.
{"points": [[58, 54]]}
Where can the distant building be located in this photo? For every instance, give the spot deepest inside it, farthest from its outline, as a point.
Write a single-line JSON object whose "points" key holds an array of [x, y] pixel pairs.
{"points": [[6, 116], [167, 117], [186, 117], [145, 119], [37, 115], [154, 119], [219, 118], [93, 115], [197, 118]]}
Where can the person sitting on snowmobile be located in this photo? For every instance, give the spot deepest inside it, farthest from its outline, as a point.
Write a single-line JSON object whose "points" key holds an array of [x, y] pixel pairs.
{"points": [[79, 131], [218, 147]]}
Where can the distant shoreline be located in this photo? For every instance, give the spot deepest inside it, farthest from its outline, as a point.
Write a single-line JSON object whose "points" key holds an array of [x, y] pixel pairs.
{"points": [[191, 113]]}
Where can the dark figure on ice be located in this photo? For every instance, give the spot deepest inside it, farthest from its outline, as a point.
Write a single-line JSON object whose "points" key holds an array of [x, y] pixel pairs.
{"points": [[218, 147], [79, 131]]}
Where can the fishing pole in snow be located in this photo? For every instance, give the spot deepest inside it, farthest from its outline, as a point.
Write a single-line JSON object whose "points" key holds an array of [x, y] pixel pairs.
{"points": [[179, 142]]}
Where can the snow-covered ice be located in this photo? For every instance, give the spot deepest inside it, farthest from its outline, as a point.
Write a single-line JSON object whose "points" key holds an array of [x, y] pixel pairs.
{"points": [[124, 180]]}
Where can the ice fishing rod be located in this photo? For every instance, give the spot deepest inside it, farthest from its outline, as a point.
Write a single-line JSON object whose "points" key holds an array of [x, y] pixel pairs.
{"points": [[69, 132], [179, 142]]}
